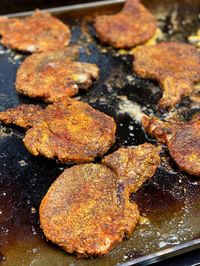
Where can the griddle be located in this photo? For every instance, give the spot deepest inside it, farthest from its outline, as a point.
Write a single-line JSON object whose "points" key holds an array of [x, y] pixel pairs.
{"points": [[169, 203]]}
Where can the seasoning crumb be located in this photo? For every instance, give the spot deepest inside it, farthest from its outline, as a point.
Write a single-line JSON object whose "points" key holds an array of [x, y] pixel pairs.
{"points": [[144, 220], [22, 163], [34, 250], [33, 210]]}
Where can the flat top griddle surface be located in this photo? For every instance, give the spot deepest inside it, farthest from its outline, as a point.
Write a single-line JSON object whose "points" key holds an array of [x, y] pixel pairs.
{"points": [[169, 203]]}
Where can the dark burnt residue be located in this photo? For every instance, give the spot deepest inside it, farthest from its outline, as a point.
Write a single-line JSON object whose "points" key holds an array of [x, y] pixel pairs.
{"points": [[163, 194]]}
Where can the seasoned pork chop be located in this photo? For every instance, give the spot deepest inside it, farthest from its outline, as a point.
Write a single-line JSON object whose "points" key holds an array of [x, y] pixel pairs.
{"points": [[182, 140], [37, 33], [87, 209], [53, 75], [69, 130], [132, 26], [175, 65]]}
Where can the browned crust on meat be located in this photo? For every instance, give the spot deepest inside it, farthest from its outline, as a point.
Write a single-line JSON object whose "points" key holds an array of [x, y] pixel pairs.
{"points": [[175, 65], [87, 209], [126, 161], [81, 212], [37, 33], [54, 75], [162, 130], [182, 140], [132, 26], [23, 115], [184, 147], [70, 130]]}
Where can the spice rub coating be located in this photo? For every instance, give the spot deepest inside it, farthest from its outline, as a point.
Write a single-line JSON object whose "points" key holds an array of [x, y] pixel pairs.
{"points": [[24, 115], [175, 65], [53, 75], [132, 26], [182, 140], [69, 130], [37, 33], [87, 209]]}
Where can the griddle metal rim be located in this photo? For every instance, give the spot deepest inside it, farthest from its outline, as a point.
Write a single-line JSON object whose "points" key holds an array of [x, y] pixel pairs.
{"points": [[70, 8], [164, 254]]}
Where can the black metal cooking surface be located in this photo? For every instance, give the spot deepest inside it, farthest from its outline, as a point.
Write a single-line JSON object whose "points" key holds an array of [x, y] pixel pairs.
{"points": [[169, 203]]}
